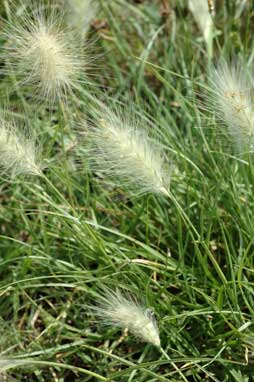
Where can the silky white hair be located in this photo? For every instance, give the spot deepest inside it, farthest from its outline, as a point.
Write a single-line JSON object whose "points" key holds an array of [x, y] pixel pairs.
{"points": [[119, 147], [230, 99], [42, 53], [18, 152], [119, 310]]}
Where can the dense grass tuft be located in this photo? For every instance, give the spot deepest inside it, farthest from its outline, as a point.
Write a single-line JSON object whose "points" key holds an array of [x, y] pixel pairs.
{"points": [[68, 234]]}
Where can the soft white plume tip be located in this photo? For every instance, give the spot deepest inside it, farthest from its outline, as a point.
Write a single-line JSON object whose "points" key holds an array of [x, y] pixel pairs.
{"points": [[122, 311]]}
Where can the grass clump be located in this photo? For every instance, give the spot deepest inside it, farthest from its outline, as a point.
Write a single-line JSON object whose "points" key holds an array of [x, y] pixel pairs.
{"points": [[80, 239]]}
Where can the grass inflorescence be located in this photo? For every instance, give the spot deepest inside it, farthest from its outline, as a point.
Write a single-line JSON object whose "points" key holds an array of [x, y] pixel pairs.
{"points": [[126, 222]]}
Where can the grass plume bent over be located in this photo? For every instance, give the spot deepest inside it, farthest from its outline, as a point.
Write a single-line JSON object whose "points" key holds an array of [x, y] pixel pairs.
{"points": [[42, 53], [17, 153], [124, 312], [121, 149], [231, 101]]}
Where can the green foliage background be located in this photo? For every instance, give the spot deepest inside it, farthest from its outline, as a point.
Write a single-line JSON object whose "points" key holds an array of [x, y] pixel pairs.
{"points": [[60, 245]]}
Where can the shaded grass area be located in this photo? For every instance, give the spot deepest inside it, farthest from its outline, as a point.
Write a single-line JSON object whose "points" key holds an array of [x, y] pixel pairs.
{"points": [[66, 235]]}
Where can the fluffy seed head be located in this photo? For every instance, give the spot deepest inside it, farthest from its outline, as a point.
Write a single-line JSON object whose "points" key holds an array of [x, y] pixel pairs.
{"points": [[17, 153], [121, 149], [40, 52], [123, 312], [231, 101]]}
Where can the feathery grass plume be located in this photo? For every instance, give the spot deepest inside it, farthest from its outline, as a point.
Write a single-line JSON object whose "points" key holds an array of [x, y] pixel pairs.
{"points": [[231, 100], [120, 148], [79, 14], [17, 152], [118, 310], [201, 13], [41, 52]]}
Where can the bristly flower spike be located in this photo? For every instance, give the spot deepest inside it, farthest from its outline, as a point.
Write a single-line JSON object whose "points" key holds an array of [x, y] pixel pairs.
{"points": [[18, 153], [121, 149], [42, 53], [117, 310], [231, 101]]}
